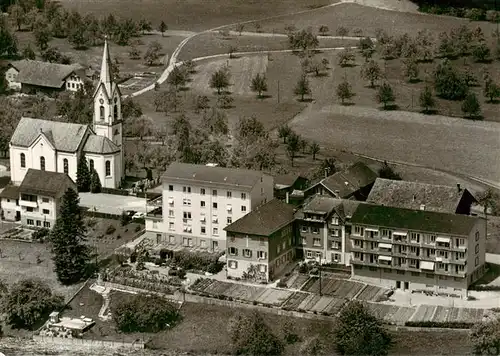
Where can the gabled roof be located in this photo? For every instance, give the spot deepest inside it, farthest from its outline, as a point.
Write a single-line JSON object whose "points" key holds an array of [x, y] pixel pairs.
{"points": [[416, 220], [10, 192], [286, 180], [52, 184], [43, 74], [265, 219], [212, 175], [325, 205], [412, 195], [100, 144], [64, 136]]}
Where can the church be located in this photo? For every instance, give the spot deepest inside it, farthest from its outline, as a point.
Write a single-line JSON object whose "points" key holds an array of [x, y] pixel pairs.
{"points": [[57, 146]]}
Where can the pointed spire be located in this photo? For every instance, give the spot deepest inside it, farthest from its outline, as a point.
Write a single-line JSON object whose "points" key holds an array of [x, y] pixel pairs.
{"points": [[106, 65]]}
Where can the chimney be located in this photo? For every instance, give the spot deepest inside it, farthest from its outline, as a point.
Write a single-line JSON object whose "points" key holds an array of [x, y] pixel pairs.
{"points": [[422, 206], [287, 197], [459, 188]]}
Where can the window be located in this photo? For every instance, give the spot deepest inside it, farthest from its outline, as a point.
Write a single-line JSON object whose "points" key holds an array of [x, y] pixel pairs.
{"points": [[186, 215], [46, 224], [46, 211], [38, 223], [108, 168], [186, 189], [477, 261], [309, 254], [65, 165], [115, 112], [42, 163], [335, 257], [171, 239], [335, 220], [186, 202], [319, 255], [214, 205], [171, 188], [29, 208], [304, 228], [262, 268], [202, 191], [214, 192], [261, 255], [229, 195], [304, 241], [215, 219], [30, 222], [229, 209], [477, 235], [229, 220], [358, 230], [91, 164], [243, 208], [316, 241], [243, 196], [432, 239], [335, 245], [171, 226], [460, 255], [101, 112], [233, 251], [278, 249], [315, 230], [232, 264], [202, 204], [23, 160], [171, 213], [46, 200], [415, 237], [247, 252], [203, 244], [203, 230], [477, 248], [185, 241], [215, 231]]}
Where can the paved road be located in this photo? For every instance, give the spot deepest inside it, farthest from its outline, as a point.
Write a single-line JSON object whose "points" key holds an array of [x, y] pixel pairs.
{"points": [[468, 147]]}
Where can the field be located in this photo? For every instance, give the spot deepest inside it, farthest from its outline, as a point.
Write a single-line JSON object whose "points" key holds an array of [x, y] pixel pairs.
{"points": [[442, 314], [193, 15]]}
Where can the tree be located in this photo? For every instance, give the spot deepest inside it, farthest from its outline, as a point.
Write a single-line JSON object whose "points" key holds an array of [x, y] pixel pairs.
{"points": [[358, 332], [28, 53], [284, 131], [426, 99], [163, 27], [71, 254], [178, 77], [471, 107], [303, 40], [239, 28], [302, 88], [385, 95], [10, 114], [293, 144], [131, 109], [481, 52], [83, 177], [371, 72], [344, 91], [202, 102], [152, 53], [8, 42], [220, 80], [42, 34], [250, 335], [491, 90], [95, 182], [485, 337], [366, 47], [259, 84], [145, 313], [145, 25], [28, 302], [387, 172], [78, 36], [410, 70], [490, 201], [323, 30], [313, 346], [449, 83], [52, 55], [141, 127], [224, 101], [314, 150], [345, 57], [342, 31], [16, 13]]}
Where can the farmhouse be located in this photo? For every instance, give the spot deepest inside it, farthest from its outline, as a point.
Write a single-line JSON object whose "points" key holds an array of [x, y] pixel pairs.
{"points": [[262, 243], [417, 249], [353, 183], [57, 146], [290, 187], [30, 76]]}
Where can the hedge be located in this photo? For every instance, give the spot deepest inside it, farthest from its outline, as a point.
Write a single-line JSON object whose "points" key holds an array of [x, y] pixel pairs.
{"points": [[485, 287], [440, 324], [149, 195], [114, 191]]}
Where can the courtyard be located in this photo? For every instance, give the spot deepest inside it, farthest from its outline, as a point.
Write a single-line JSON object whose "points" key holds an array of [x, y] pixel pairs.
{"points": [[111, 203]]}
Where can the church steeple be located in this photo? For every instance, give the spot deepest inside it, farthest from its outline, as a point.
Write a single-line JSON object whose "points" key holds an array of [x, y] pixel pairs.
{"points": [[105, 77]]}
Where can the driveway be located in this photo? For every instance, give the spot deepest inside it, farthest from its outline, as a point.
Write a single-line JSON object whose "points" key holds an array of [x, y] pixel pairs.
{"points": [[112, 204]]}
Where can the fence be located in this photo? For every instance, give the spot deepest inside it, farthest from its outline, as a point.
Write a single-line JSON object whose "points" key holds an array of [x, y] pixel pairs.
{"points": [[98, 214], [91, 343]]}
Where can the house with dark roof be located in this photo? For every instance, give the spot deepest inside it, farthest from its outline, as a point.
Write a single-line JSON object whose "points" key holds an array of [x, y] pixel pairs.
{"points": [[9, 203], [417, 250], [415, 195], [261, 244], [354, 182], [290, 187], [54, 146], [31, 76], [199, 201]]}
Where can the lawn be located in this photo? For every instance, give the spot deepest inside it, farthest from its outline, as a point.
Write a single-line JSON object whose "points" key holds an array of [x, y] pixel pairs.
{"points": [[19, 261], [194, 15]]}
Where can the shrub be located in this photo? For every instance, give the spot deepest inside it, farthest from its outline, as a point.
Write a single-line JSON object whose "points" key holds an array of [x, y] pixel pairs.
{"points": [[485, 287], [197, 261], [110, 230], [133, 257], [181, 273], [289, 332], [145, 314], [40, 235], [440, 324], [282, 284], [137, 228], [124, 219]]}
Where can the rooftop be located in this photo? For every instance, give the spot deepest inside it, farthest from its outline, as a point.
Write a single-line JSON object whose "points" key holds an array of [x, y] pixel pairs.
{"points": [[321, 204], [100, 144], [265, 219], [10, 192], [63, 135], [285, 180], [52, 184], [207, 174], [43, 74], [417, 220], [411, 195]]}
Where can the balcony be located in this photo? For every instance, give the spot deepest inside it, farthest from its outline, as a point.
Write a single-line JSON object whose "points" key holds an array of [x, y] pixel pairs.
{"points": [[155, 214], [28, 203]]}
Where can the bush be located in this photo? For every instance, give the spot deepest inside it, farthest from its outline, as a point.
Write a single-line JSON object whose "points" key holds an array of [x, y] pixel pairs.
{"points": [[439, 324], [145, 314], [282, 284], [181, 274], [133, 257], [114, 191], [125, 218], [110, 230], [40, 235], [137, 228], [200, 261], [484, 287]]}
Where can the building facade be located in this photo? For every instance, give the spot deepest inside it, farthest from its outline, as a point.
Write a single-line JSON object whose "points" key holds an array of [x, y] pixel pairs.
{"points": [[199, 201], [261, 244], [417, 249]]}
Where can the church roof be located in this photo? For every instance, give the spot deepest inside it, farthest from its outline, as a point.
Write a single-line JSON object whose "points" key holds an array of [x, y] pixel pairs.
{"points": [[100, 144], [43, 74], [51, 184], [105, 78], [63, 135]]}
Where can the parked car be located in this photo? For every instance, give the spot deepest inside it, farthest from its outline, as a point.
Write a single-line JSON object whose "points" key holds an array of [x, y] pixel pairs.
{"points": [[130, 213], [139, 215]]}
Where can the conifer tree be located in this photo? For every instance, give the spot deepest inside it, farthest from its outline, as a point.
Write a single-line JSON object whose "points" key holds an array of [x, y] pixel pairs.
{"points": [[95, 182], [83, 175], [71, 255]]}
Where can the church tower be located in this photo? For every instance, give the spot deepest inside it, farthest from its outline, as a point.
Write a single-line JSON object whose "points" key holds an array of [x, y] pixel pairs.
{"points": [[107, 103]]}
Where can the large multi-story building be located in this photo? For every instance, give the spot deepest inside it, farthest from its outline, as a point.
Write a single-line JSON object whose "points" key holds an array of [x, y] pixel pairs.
{"points": [[417, 249], [262, 243], [323, 229], [200, 201]]}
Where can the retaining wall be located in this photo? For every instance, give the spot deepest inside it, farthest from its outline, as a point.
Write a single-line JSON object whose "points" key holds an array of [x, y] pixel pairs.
{"points": [[89, 342]]}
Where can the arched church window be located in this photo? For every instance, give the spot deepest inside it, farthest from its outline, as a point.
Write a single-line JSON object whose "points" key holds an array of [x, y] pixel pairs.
{"points": [[115, 112], [66, 165], [91, 165], [42, 163], [108, 168], [23, 160], [101, 112]]}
